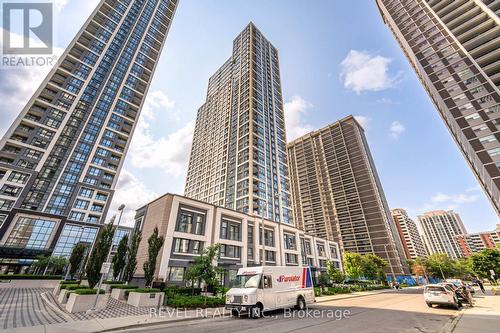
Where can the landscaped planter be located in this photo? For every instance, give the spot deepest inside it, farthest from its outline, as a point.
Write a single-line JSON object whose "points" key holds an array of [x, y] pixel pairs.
{"points": [[118, 294], [63, 296], [81, 303], [107, 286], [145, 299], [56, 290]]}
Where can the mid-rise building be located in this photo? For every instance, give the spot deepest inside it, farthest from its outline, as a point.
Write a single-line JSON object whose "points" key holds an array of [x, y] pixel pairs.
{"points": [[189, 226], [413, 244], [454, 47], [337, 193], [61, 157], [238, 158], [476, 242], [440, 229]]}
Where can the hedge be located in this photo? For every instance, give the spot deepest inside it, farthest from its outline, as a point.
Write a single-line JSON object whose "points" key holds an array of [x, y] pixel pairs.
{"points": [[194, 302], [29, 277], [68, 286], [88, 291], [182, 291], [123, 286], [346, 289], [75, 287], [69, 282]]}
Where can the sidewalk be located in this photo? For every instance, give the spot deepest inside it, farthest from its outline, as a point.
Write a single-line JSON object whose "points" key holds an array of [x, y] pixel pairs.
{"points": [[322, 299], [100, 325], [484, 317]]}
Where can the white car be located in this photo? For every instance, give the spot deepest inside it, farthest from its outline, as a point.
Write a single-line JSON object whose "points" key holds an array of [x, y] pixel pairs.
{"points": [[440, 295]]}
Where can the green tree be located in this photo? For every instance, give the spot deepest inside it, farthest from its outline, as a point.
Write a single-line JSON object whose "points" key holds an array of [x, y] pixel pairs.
{"points": [[155, 242], [352, 265], [120, 257], [99, 254], [76, 258], [323, 279], [129, 270], [440, 265], [372, 267], [204, 267], [484, 261], [57, 264], [462, 268], [41, 263], [335, 274], [418, 267]]}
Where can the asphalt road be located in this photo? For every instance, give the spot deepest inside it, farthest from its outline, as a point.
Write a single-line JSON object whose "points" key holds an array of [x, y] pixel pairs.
{"points": [[397, 311]]}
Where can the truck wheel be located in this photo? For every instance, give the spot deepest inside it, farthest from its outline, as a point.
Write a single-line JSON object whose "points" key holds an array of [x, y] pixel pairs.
{"points": [[235, 313], [255, 311], [301, 304], [429, 305]]}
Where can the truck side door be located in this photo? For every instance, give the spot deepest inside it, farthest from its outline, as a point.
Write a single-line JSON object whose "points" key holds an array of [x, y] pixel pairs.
{"points": [[269, 294]]}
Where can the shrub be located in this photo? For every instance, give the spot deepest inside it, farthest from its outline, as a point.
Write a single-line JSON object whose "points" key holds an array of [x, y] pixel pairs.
{"points": [[123, 286], [182, 291], [69, 282], [68, 286], [193, 302], [75, 287], [29, 277], [88, 291]]}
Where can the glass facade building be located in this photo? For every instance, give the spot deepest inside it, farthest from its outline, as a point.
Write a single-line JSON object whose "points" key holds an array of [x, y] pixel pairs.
{"points": [[238, 159], [454, 47], [62, 156]]}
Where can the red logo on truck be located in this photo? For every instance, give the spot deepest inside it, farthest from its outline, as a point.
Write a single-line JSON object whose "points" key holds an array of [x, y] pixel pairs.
{"points": [[289, 278]]}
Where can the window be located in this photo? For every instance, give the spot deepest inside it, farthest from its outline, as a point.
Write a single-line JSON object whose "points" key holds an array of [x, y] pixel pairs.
{"points": [[321, 249], [76, 216], [17, 177], [11, 191], [176, 274], [2, 219], [333, 252], [86, 192], [494, 152], [101, 197], [472, 116], [93, 219], [230, 230], [6, 204], [81, 204], [289, 241], [190, 222], [72, 235], [268, 281], [229, 251], [291, 258], [487, 139], [30, 233], [268, 237], [189, 246]]}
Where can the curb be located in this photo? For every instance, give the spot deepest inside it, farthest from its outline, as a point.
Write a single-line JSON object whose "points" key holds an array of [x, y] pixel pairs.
{"points": [[449, 327], [55, 307], [354, 296], [159, 323]]}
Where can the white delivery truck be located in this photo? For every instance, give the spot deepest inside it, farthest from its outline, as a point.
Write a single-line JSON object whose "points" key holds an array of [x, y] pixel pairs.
{"points": [[263, 288]]}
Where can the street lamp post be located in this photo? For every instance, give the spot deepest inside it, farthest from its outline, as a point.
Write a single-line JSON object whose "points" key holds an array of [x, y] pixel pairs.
{"points": [[122, 206]]}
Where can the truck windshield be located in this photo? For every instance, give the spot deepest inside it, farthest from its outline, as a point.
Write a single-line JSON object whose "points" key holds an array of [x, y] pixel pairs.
{"points": [[247, 281]]}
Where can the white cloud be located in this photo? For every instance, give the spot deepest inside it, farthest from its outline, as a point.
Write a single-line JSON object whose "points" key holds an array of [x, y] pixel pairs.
{"points": [[363, 121], [131, 192], [455, 199], [362, 71], [396, 129], [59, 4], [295, 110], [388, 101], [170, 153]]}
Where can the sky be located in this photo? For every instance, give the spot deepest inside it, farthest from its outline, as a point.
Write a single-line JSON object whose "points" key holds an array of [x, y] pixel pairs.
{"points": [[336, 58]]}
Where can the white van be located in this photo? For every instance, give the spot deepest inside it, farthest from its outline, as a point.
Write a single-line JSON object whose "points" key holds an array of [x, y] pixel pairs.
{"points": [[263, 288]]}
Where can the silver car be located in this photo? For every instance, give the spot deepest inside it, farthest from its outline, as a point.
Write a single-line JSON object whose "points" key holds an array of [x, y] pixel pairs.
{"points": [[440, 295]]}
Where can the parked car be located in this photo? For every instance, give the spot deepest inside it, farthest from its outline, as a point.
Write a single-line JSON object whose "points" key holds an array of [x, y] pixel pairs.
{"points": [[441, 294]]}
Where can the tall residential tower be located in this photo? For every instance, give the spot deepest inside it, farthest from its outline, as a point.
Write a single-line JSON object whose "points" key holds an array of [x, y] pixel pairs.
{"points": [[454, 47], [440, 229], [410, 236], [337, 193], [60, 159], [238, 159]]}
